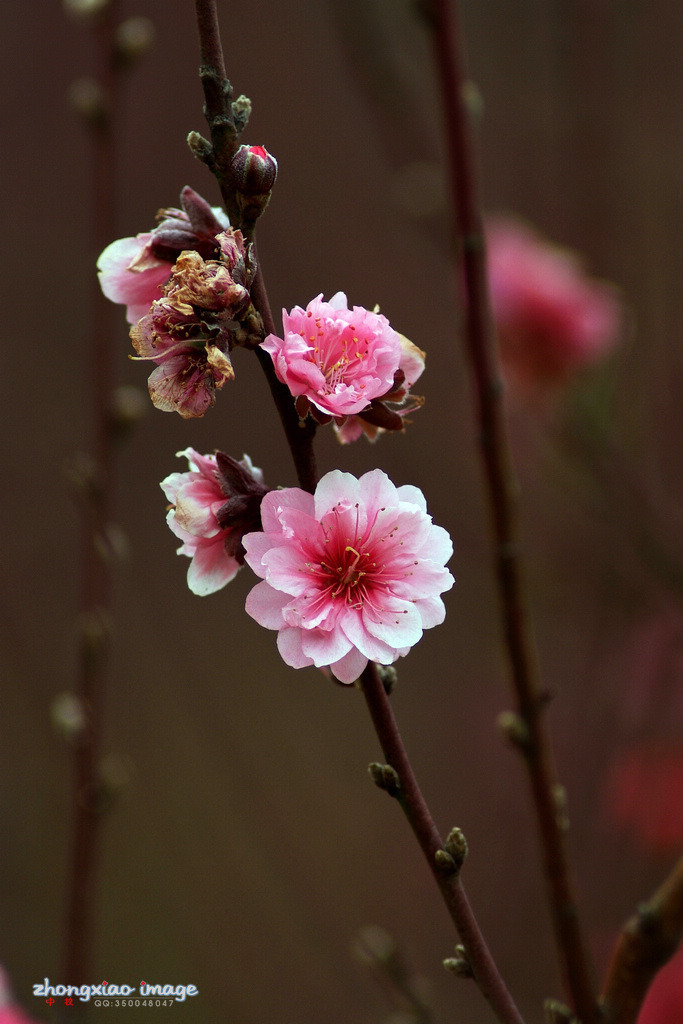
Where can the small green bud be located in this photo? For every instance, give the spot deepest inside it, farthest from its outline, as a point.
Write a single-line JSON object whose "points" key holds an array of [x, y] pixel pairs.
{"points": [[388, 676], [200, 147], [459, 964], [241, 112], [385, 777], [445, 862], [456, 847], [514, 728], [558, 1013]]}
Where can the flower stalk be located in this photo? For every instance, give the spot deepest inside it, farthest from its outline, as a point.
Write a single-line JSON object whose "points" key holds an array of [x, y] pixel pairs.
{"points": [[409, 795], [502, 493], [220, 116], [648, 940], [96, 562]]}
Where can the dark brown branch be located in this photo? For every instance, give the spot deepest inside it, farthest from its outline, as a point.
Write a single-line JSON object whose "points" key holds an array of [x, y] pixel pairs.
{"points": [[648, 940], [478, 956], [502, 491]]}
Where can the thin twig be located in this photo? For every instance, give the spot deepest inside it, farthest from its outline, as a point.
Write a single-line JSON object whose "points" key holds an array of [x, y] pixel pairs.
{"points": [[96, 570], [218, 95], [648, 940], [483, 967], [502, 490]]}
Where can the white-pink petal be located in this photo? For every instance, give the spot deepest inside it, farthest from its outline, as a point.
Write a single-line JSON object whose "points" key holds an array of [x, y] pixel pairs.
{"points": [[265, 605], [350, 667], [289, 646], [275, 501], [335, 488], [211, 568]]}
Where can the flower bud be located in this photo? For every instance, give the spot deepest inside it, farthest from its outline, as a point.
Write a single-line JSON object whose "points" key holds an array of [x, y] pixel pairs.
{"points": [[459, 964], [254, 171], [241, 112]]}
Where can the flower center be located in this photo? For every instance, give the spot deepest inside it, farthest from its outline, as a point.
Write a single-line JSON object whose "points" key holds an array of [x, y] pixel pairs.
{"points": [[334, 358], [346, 579]]}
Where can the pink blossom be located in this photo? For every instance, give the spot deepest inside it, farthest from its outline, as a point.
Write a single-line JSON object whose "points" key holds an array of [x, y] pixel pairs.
{"points": [[10, 1011], [664, 1001], [350, 574], [214, 504], [133, 271], [374, 420], [645, 795], [551, 318], [13, 1014], [335, 358]]}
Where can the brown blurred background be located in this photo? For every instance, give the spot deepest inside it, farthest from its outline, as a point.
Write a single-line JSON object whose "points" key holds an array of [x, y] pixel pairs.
{"points": [[249, 846]]}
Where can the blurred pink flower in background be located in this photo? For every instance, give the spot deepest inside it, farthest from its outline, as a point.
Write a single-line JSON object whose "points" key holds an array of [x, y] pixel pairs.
{"points": [[350, 574], [643, 792], [214, 504], [551, 318], [664, 1002], [10, 1011], [338, 359], [13, 1014], [645, 795]]}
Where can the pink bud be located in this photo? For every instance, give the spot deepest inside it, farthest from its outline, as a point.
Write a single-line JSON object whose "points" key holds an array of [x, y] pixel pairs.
{"points": [[254, 171]]}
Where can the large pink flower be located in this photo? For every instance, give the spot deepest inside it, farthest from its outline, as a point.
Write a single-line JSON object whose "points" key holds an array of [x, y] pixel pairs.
{"points": [[350, 574], [214, 504], [133, 271], [338, 359], [552, 319]]}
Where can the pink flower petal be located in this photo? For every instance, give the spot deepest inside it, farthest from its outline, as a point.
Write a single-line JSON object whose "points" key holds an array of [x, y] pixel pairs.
{"points": [[290, 648], [211, 568], [265, 605], [350, 667]]}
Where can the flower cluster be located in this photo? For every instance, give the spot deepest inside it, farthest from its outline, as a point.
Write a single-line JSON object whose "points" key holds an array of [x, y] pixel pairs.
{"points": [[188, 332], [186, 287], [351, 573], [346, 365], [551, 318]]}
